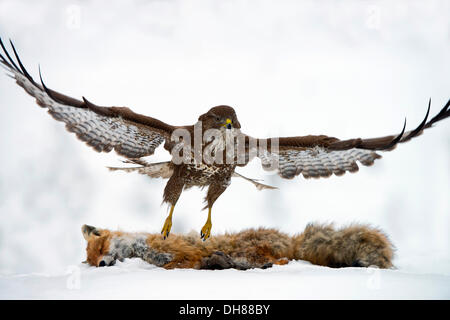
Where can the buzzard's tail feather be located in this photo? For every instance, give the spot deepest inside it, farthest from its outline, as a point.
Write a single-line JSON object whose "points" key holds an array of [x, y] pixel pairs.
{"points": [[154, 170], [258, 185]]}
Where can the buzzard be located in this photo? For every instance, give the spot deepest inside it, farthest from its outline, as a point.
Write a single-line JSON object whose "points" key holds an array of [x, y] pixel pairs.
{"points": [[207, 153]]}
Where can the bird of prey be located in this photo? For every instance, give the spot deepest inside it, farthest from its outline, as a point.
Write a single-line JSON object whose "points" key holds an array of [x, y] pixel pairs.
{"points": [[207, 153]]}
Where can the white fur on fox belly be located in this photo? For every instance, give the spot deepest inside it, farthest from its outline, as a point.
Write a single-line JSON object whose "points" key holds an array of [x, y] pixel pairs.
{"points": [[134, 246]]}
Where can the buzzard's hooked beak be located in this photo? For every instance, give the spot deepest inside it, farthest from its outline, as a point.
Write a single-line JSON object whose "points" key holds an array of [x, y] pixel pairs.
{"points": [[228, 124]]}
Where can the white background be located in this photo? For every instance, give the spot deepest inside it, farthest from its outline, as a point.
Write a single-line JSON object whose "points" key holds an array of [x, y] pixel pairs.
{"points": [[352, 69]]}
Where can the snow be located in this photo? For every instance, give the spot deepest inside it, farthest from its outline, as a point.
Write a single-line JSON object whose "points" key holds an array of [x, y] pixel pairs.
{"points": [[135, 279]]}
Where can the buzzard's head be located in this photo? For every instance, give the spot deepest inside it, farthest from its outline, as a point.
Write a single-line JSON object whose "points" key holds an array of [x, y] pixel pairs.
{"points": [[220, 117]]}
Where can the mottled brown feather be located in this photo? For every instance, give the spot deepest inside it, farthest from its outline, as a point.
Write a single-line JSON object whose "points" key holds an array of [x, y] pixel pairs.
{"points": [[137, 135], [316, 156]]}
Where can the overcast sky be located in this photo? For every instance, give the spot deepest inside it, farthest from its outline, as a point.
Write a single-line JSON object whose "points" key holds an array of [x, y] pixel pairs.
{"points": [[353, 69]]}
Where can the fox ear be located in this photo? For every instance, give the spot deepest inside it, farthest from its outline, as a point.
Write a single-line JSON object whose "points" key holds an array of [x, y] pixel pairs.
{"points": [[89, 232]]}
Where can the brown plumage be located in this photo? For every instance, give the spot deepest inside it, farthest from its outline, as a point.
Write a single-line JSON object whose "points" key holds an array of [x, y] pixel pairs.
{"points": [[208, 159], [353, 246]]}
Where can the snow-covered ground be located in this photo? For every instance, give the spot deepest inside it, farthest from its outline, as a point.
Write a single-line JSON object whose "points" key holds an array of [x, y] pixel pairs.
{"points": [[135, 279]]}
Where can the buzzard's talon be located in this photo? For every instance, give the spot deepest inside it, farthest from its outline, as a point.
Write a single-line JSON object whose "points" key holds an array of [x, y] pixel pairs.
{"points": [[205, 233], [167, 225], [206, 230]]}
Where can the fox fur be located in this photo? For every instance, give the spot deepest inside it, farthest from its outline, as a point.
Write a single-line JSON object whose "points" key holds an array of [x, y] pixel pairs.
{"points": [[353, 246]]}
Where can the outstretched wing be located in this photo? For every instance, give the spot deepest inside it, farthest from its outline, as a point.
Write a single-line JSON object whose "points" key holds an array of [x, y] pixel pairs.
{"points": [[104, 128], [321, 156]]}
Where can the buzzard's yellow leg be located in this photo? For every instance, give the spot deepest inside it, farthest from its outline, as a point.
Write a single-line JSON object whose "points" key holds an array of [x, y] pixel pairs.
{"points": [[206, 230], [168, 224]]}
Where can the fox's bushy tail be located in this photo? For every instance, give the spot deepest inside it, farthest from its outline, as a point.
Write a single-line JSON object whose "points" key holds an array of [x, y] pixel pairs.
{"points": [[351, 246]]}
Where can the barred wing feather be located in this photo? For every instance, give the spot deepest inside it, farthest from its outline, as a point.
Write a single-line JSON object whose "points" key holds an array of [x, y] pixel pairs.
{"points": [[103, 128], [321, 156]]}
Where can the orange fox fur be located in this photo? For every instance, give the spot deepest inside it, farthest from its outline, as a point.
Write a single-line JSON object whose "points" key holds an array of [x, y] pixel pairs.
{"points": [[356, 245]]}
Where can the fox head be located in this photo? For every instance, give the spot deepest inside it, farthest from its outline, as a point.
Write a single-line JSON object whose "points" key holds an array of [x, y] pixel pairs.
{"points": [[98, 244], [104, 247]]}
